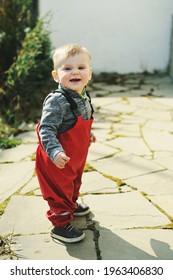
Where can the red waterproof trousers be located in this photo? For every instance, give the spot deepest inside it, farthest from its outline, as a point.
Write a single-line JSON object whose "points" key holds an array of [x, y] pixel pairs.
{"points": [[60, 187]]}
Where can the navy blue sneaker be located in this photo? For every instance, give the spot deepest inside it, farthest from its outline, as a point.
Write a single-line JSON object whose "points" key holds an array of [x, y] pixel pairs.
{"points": [[81, 210], [68, 234]]}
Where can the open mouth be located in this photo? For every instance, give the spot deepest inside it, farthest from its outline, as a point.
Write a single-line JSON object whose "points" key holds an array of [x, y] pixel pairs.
{"points": [[75, 80]]}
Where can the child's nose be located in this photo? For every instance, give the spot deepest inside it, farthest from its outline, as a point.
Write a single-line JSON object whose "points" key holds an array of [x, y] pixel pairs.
{"points": [[75, 70]]}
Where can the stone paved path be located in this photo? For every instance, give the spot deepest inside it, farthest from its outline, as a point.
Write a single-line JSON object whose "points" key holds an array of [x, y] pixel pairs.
{"points": [[128, 181]]}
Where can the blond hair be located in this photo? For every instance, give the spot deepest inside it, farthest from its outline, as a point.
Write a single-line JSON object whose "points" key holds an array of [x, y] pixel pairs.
{"points": [[66, 51]]}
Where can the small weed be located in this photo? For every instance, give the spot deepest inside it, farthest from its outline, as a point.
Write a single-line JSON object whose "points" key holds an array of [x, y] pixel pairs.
{"points": [[169, 226], [3, 205], [33, 157], [6, 143], [111, 129], [119, 182], [5, 247], [88, 168], [123, 98]]}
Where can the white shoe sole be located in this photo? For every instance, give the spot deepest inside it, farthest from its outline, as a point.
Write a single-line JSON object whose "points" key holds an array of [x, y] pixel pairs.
{"points": [[80, 214], [67, 240]]}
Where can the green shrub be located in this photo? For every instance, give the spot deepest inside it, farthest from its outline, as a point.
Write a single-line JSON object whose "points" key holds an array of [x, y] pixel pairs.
{"points": [[29, 75], [16, 17], [25, 63]]}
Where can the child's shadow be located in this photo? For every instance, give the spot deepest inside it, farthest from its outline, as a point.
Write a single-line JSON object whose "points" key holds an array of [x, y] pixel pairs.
{"points": [[101, 243], [161, 249]]}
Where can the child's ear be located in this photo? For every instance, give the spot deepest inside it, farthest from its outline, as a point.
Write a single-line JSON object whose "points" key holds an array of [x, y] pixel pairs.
{"points": [[55, 76]]}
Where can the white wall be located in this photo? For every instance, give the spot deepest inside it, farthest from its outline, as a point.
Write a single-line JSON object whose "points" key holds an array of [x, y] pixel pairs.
{"points": [[122, 35]]}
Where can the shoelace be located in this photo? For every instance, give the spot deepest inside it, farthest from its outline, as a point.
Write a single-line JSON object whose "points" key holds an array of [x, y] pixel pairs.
{"points": [[69, 227]]}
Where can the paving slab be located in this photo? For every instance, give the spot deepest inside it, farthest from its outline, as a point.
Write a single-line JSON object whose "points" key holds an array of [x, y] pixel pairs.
{"points": [[116, 107], [25, 215], [99, 102], [94, 182], [160, 125], [31, 186], [28, 137], [125, 210], [13, 176], [124, 129], [103, 125], [100, 93], [158, 183], [42, 247], [133, 92], [151, 114], [37, 192], [151, 93], [131, 119], [112, 88], [101, 130], [164, 202], [167, 101], [102, 135], [99, 150], [18, 153], [146, 103], [156, 139], [138, 244], [165, 159], [130, 144], [125, 165]]}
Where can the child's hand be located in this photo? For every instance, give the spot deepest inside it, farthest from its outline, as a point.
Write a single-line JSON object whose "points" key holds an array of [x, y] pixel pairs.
{"points": [[60, 160], [92, 138]]}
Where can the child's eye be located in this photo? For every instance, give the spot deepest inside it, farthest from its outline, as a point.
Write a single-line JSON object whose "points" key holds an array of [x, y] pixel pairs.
{"points": [[81, 67], [67, 68]]}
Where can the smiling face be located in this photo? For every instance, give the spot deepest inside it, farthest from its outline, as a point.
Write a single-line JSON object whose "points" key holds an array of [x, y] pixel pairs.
{"points": [[74, 72]]}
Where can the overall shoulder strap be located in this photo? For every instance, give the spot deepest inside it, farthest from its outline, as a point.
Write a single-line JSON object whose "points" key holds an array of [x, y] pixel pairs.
{"points": [[73, 105], [87, 93]]}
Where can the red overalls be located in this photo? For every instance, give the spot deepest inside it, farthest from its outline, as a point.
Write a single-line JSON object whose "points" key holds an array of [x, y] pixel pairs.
{"points": [[60, 187]]}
